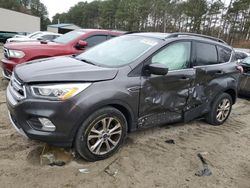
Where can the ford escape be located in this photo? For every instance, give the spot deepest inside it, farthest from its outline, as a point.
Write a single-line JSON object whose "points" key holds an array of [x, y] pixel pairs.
{"points": [[91, 101]]}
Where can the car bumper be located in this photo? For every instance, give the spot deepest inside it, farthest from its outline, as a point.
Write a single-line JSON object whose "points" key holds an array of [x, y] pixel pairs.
{"points": [[24, 116]]}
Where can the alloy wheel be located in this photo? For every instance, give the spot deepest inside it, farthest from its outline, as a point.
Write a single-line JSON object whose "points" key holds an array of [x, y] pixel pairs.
{"points": [[223, 110], [104, 136]]}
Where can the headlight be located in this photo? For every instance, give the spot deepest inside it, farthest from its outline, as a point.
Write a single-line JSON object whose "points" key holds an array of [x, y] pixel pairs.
{"points": [[59, 91], [16, 54]]}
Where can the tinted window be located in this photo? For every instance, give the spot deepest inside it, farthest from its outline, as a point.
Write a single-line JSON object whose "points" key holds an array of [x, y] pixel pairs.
{"points": [[49, 37], [224, 54], [206, 54], [175, 56], [94, 40]]}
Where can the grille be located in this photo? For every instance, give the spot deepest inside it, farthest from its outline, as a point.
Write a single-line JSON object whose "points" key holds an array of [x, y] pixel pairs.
{"points": [[6, 53], [17, 89]]}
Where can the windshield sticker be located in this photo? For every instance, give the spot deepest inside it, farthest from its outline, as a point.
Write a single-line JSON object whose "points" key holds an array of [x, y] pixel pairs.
{"points": [[148, 42]]}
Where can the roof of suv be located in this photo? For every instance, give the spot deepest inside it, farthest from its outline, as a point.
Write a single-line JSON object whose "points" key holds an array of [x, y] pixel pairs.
{"points": [[93, 30], [165, 36]]}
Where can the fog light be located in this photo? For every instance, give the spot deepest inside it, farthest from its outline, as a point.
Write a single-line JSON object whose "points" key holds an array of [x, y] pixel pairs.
{"points": [[47, 125]]}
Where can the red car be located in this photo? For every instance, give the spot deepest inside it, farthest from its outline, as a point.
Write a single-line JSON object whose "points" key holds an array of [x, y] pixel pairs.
{"points": [[74, 42]]}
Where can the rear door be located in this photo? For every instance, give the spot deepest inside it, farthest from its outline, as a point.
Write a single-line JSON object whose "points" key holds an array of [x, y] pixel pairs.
{"points": [[210, 69], [164, 98]]}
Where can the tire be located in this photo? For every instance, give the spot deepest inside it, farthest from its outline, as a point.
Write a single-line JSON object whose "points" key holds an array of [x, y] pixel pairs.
{"points": [[213, 116], [93, 138]]}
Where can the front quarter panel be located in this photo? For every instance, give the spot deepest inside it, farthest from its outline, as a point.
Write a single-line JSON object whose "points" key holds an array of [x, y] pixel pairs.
{"points": [[122, 91]]}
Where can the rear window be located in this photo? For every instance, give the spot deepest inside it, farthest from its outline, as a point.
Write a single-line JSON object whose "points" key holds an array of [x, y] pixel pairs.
{"points": [[206, 54], [224, 54]]}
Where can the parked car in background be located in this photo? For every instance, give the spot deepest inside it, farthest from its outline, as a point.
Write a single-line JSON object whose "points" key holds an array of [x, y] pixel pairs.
{"points": [[135, 81], [6, 35], [35, 37], [241, 53], [70, 43], [22, 34], [244, 84]]}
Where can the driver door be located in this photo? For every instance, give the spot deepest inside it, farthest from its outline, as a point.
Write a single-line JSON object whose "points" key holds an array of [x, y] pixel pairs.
{"points": [[163, 98]]}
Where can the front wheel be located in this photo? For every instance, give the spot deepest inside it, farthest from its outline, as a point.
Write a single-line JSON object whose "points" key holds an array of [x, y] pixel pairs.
{"points": [[220, 110], [101, 135]]}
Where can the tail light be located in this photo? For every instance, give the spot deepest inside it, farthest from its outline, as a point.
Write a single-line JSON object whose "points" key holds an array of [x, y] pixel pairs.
{"points": [[240, 68]]}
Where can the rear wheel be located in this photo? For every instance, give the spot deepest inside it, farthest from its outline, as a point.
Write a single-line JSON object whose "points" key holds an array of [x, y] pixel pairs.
{"points": [[221, 109], [101, 135]]}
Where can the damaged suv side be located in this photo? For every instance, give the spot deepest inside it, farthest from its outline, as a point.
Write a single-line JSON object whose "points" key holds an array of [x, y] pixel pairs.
{"points": [[135, 81]]}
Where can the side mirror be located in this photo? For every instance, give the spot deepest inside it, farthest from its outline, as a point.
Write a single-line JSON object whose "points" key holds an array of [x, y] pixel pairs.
{"points": [[157, 69], [39, 39], [81, 44]]}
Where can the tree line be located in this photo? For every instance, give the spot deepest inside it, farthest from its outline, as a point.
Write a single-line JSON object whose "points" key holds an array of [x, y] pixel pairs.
{"points": [[32, 7], [227, 19]]}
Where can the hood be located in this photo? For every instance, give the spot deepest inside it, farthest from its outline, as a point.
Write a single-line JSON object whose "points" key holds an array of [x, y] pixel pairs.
{"points": [[31, 45], [62, 69]]}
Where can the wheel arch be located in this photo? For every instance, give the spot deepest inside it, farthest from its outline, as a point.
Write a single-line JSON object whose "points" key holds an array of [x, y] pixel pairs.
{"points": [[232, 93], [124, 108]]}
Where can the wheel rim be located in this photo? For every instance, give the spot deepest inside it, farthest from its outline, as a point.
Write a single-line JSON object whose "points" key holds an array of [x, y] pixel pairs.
{"points": [[104, 136], [223, 110]]}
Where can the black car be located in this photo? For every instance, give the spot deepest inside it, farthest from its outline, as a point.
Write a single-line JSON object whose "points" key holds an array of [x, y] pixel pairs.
{"points": [[244, 83], [91, 101], [6, 35]]}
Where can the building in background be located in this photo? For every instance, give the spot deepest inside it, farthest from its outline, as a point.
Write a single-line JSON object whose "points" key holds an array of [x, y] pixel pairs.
{"points": [[12, 21], [62, 28]]}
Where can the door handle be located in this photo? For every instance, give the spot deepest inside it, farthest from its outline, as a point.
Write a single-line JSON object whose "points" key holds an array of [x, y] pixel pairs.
{"points": [[184, 78], [219, 72]]}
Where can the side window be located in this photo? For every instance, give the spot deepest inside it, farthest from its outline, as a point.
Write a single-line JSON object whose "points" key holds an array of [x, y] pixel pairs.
{"points": [[206, 54], [224, 54], [94, 40], [175, 56], [48, 37]]}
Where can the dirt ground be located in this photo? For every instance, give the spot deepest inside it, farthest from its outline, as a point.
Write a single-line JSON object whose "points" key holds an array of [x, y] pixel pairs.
{"points": [[145, 160]]}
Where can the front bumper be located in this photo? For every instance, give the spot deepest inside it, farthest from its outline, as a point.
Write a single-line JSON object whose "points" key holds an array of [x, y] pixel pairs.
{"points": [[15, 126], [64, 115]]}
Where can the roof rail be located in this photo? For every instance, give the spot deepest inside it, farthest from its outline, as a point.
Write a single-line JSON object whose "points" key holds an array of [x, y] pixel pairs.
{"points": [[196, 35]]}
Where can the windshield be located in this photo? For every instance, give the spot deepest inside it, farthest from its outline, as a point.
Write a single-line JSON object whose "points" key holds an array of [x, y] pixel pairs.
{"points": [[68, 37], [119, 51], [246, 60]]}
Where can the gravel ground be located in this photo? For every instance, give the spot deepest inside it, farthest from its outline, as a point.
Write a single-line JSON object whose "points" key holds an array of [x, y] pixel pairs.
{"points": [[145, 160]]}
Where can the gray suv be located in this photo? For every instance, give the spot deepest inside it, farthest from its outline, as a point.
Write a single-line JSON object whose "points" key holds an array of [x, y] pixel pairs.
{"points": [[91, 101]]}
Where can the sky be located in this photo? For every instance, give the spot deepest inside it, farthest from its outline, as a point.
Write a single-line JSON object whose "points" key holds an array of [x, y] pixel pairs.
{"points": [[59, 6]]}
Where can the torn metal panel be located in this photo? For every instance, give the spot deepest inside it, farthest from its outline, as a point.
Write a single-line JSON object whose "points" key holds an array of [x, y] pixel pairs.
{"points": [[163, 98]]}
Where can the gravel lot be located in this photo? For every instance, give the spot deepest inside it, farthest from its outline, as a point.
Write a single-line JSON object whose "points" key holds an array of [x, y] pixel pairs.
{"points": [[145, 160]]}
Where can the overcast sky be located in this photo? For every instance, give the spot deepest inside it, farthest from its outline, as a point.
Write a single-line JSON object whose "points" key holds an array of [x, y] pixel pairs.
{"points": [[60, 6]]}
